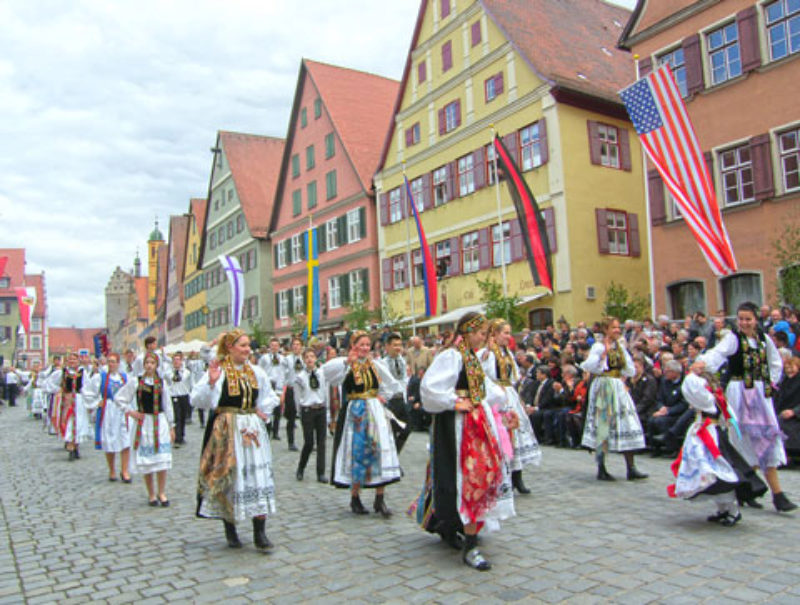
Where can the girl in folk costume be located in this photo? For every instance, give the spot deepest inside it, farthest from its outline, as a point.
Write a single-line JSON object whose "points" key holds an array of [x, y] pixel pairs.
{"points": [[146, 401], [708, 465], [236, 481], [69, 416], [611, 419], [754, 365], [468, 483], [364, 451], [36, 395], [501, 367], [111, 425]]}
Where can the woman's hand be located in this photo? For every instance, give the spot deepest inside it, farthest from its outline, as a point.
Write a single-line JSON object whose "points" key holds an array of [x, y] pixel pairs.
{"points": [[352, 356], [135, 415], [263, 415], [382, 399], [463, 404], [214, 372], [786, 414]]}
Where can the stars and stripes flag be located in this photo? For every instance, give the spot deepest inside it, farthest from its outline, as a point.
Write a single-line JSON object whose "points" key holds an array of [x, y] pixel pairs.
{"points": [[667, 135], [236, 281], [428, 271], [312, 304]]}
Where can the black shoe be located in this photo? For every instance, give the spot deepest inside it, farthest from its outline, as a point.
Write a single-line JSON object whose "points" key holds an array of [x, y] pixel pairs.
{"points": [[660, 439], [231, 536], [379, 506], [259, 535], [472, 556], [77, 453], [516, 482], [751, 502], [322, 479], [112, 479], [717, 517], [72, 455], [128, 480], [153, 502], [276, 438], [782, 503], [293, 448], [454, 540], [603, 474], [298, 475], [656, 452], [357, 507], [164, 503], [730, 520], [634, 474]]}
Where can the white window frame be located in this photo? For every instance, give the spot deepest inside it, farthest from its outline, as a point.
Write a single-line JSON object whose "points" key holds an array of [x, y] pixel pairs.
{"points": [[470, 253], [790, 154], [36, 343], [416, 263], [466, 175], [356, 286], [450, 116], [530, 144], [730, 67], [36, 324], [395, 209], [443, 252], [776, 23], [297, 294], [281, 252], [440, 193], [736, 172], [418, 193], [677, 63], [283, 304], [331, 235], [609, 145], [506, 243], [618, 232], [399, 274], [334, 293], [297, 248], [353, 226]]}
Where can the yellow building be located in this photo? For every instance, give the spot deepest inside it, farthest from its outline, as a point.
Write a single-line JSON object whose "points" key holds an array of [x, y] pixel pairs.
{"points": [[545, 75], [194, 299]]}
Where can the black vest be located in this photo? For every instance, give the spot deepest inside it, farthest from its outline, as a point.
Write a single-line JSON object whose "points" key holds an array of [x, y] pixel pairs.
{"points": [[352, 390], [736, 361], [228, 401], [145, 398]]}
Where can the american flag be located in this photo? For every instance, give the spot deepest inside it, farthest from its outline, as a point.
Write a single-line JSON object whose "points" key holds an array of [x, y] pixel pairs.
{"points": [[667, 135]]}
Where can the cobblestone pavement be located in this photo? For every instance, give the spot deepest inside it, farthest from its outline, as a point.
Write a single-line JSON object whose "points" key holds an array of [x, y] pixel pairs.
{"points": [[69, 535]]}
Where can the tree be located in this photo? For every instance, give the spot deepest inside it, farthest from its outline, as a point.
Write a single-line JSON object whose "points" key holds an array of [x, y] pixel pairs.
{"points": [[258, 336], [622, 305], [359, 316], [786, 252], [499, 306]]}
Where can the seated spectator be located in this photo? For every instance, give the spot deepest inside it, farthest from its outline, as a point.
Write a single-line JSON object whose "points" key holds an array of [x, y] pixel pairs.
{"points": [[787, 405], [670, 403], [570, 419], [546, 403], [527, 384], [643, 388]]}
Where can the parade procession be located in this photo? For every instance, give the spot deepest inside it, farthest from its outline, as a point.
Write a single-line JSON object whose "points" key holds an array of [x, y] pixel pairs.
{"points": [[521, 326]]}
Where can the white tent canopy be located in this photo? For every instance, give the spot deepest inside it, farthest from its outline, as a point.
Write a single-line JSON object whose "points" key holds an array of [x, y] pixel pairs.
{"points": [[193, 346]]}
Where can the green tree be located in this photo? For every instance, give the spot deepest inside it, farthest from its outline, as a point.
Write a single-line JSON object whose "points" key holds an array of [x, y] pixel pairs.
{"points": [[786, 252], [497, 305], [359, 316], [257, 334], [621, 304]]}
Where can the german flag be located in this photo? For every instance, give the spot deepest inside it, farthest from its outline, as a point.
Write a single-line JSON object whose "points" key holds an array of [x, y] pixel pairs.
{"points": [[532, 225]]}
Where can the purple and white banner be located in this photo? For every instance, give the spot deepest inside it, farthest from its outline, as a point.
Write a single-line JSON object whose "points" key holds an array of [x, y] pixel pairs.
{"points": [[236, 281]]}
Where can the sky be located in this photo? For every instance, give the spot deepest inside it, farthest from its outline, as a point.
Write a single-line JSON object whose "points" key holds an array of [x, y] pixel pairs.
{"points": [[108, 111]]}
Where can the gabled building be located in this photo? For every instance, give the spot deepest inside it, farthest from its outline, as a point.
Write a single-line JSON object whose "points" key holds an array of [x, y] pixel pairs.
{"points": [[737, 64], [544, 75], [338, 121], [35, 344], [194, 280], [242, 187], [13, 277], [176, 259]]}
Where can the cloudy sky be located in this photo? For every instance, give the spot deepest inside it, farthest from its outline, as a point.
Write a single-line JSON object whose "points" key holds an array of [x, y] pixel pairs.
{"points": [[108, 111]]}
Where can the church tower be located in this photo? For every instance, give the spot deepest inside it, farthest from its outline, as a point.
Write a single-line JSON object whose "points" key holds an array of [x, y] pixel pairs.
{"points": [[154, 243]]}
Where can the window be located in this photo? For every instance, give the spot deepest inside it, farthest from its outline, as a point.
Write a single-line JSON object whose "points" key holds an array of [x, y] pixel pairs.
{"points": [[790, 158], [740, 288], [395, 207], [330, 146], [475, 33], [445, 8], [280, 250], [36, 343], [240, 223], [399, 271], [783, 27], [357, 286], [230, 195], [447, 56], [493, 87], [297, 202], [737, 175], [412, 135], [617, 227], [297, 247], [490, 165], [452, 116], [331, 238], [470, 252], [440, 193], [418, 193], [311, 194], [230, 229], [334, 293], [295, 165], [416, 261], [309, 157], [686, 298], [354, 226], [531, 146], [422, 72], [216, 204], [501, 247], [36, 323], [678, 66], [723, 53], [303, 118], [330, 185], [250, 307], [5, 282], [609, 145], [5, 308], [466, 177], [221, 235], [298, 302], [317, 108], [283, 304]]}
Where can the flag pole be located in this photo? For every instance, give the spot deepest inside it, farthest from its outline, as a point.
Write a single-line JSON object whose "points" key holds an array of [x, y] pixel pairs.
{"points": [[499, 216], [409, 268]]}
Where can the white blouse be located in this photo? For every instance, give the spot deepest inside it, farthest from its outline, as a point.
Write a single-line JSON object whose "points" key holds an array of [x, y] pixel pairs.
{"points": [[206, 397]]}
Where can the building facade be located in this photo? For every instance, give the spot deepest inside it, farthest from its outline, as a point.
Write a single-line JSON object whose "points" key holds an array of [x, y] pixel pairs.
{"points": [[194, 291], [737, 64], [176, 259], [35, 343]]}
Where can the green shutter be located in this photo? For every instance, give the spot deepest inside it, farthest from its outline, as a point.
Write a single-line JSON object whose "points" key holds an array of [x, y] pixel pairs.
{"points": [[365, 283], [341, 230], [321, 238], [344, 288], [362, 221], [290, 296]]}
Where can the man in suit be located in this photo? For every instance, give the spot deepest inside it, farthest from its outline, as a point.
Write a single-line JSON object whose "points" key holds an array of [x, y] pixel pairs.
{"points": [[670, 404], [544, 411]]}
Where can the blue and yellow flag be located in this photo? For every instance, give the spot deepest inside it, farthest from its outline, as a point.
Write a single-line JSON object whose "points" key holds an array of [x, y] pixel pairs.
{"points": [[312, 304]]}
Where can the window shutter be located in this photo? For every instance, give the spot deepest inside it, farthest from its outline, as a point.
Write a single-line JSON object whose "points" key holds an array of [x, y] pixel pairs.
{"points": [[476, 33], [655, 189], [362, 222], [303, 255], [517, 246], [594, 142], [447, 55], [602, 231], [693, 58], [645, 66], [634, 246], [383, 208], [747, 22], [365, 283], [290, 297], [344, 288], [287, 245], [498, 84], [762, 166], [427, 190], [455, 256], [275, 255], [386, 270], [305, 299], [458, 113], [442, 122], [484, 252], [322, 238], [409, 139], [510, 141], [478, 168], [341, 230], [545, 150], [624, 149], [550, 228], [276, 312], [452, 180], [445, 6]]}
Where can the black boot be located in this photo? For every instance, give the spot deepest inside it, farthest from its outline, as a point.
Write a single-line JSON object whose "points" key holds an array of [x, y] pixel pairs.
{"points": [[259, 535], [357, 507], [602, 473], [516, 482], [71, 455], [379, 506], [77, 453], [231, 536], [782, 503], [633, 473], [472, 556]]}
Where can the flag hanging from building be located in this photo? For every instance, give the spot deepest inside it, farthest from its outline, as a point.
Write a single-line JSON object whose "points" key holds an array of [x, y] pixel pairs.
{"points": [[667, 135], [26, 299], [312, 291], [531, 221], [236, 282], [428, 270], [3, 262]]}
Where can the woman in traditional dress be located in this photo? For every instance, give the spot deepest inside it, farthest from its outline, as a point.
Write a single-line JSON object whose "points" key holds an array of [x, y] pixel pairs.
{"points": [[612, 423], [754, 365], [499, 365], [468, 484], [37, 402], [147, 402], [111, 426], [364, 451], [708, 465], [236, 482], [70, 417]]}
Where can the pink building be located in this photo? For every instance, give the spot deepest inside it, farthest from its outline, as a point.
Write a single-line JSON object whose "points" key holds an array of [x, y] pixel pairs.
{"points": [[338, 123]]}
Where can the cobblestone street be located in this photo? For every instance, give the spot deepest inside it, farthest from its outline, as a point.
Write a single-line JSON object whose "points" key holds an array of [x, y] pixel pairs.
{"points": [[71, 536]]}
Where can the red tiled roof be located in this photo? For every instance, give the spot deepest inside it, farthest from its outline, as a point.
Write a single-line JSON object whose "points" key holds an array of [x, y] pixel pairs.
{"points": [[640, 21], [140, 283], [255, 163], [64, 340], [178, 229], [15, 269], [360, 105], [37, 281]]}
